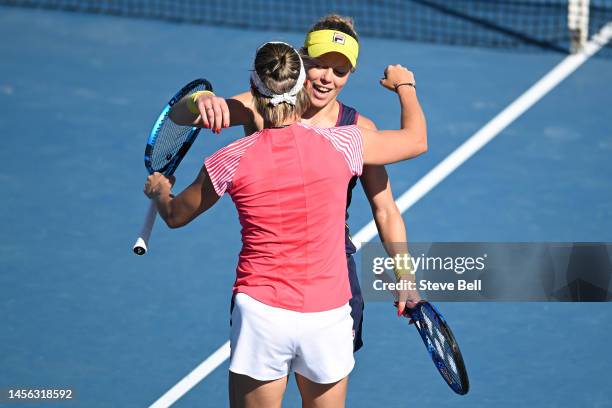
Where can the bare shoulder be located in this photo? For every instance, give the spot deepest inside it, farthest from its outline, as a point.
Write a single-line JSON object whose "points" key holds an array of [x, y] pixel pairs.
{"points": [[374, 177], [365, 122], [242, 107], [246, 98]]}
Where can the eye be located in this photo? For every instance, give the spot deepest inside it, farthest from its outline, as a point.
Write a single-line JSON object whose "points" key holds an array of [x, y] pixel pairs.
{"points": [[341, 72]]}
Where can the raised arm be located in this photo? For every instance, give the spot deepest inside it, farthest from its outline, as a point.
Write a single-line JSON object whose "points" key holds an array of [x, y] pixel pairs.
{"points": [[213, 112], [389, 146], [191, 202]]}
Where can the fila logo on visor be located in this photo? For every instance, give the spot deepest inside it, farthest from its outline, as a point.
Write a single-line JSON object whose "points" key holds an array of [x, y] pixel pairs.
{"points": [[338, 38]]}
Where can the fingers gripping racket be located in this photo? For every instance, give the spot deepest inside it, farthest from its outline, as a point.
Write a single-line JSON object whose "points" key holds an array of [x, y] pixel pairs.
{"points": [[441, 345], [168, 143]]}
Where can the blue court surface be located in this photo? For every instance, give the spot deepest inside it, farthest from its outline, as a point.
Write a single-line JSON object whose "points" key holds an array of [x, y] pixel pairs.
{"points": [[78, 95]]}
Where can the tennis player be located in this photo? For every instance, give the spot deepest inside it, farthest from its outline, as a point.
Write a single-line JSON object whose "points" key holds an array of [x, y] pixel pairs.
{"points": [[332, 43], [288, 182]]}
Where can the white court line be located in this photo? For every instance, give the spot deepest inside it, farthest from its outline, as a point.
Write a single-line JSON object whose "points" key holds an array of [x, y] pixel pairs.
{"points": [[194, 377], [492, 129], [427, 183]]}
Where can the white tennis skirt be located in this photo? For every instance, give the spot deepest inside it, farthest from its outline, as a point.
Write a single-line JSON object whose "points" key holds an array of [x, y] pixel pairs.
{"points": [[269, 342]]}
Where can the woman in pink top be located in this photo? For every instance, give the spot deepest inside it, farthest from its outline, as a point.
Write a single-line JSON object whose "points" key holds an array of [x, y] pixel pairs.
{"points": [[332, 46], [288, 182]]}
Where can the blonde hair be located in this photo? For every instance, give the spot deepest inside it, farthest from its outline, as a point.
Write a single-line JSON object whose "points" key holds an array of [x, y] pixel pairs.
{"points": [[338, 23], [278, 66]]}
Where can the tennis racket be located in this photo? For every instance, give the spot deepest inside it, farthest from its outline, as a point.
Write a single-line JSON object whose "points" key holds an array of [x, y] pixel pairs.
{"points": [[168, 143], [440, 344]]}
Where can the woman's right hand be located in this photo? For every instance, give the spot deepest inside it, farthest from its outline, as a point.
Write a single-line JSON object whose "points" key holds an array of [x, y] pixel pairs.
{"points": [[157, 184], [395, 75], [214, 112]]}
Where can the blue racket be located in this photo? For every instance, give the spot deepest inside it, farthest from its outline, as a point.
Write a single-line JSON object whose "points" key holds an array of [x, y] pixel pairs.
{"points": [[168, 143], [440, 344]]}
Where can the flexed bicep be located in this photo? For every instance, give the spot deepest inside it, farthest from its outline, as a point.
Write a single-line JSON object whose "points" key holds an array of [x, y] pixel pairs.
{"points": [[388, 146]]}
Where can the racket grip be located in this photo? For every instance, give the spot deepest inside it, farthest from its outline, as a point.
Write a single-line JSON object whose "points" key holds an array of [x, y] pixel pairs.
{"points": [[140, 247]]}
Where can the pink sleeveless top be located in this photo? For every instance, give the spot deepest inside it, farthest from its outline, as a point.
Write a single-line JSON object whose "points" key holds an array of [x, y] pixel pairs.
{"points": [[289, 187]]}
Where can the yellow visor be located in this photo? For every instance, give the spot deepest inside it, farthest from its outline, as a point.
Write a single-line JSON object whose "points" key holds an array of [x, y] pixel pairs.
{"points": [[323, 41]]}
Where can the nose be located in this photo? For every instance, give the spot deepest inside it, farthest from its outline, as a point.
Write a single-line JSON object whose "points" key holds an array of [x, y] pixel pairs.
{"points": [[327, 75]]}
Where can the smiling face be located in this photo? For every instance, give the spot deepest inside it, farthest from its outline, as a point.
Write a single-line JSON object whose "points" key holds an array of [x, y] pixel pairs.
{"points": [[327, 75]]}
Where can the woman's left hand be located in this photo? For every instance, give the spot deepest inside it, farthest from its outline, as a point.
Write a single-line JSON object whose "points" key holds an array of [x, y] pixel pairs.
{"points": [[395, 75], [407, 299]]}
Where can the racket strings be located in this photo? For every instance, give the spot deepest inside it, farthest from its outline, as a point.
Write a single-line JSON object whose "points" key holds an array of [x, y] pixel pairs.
{"points": [[436, 336], [170, 138], [169, 141]]}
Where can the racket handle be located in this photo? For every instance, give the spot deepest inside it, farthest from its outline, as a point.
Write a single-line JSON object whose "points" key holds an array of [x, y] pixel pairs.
{"points": [[140, 247]]}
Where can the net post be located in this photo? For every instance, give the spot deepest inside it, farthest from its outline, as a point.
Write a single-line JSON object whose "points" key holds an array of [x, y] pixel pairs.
{"points": [[578, 23]]}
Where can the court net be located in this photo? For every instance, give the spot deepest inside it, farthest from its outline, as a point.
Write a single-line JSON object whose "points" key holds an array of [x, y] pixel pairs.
{"points": [[556, 25]]}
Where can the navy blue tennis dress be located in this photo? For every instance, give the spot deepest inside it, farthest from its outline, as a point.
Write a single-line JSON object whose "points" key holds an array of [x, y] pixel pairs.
{"points": [[348, 116]]}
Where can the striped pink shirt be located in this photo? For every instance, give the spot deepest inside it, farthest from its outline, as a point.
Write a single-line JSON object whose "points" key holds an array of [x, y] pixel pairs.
{"points": [[289, 187]]}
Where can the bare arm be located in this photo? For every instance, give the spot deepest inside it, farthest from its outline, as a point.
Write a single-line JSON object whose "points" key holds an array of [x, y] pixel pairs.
{"points": [[387, 216], [178, 211], [377, 187], [215, 112], [389, 146]]}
